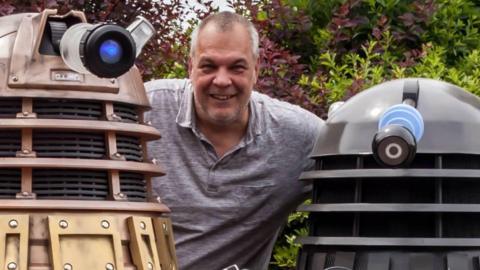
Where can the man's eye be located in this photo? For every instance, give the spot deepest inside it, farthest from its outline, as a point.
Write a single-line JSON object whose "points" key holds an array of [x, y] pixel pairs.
{"points": [[239, 68], [207, 67]]}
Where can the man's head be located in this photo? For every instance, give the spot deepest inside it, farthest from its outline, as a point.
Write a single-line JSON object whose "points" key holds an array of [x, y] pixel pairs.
{"points": [[223, 68]]}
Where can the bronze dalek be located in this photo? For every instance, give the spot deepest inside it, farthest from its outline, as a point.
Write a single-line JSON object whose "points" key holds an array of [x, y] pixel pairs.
{"points": [[75, 182]]}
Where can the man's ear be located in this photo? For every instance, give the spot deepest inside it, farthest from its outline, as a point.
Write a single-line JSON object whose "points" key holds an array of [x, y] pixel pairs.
{"points": [[256, 69], [190, 67]]}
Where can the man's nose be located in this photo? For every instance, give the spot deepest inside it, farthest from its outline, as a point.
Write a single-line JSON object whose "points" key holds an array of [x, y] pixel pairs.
{"points": [[222, 78]]}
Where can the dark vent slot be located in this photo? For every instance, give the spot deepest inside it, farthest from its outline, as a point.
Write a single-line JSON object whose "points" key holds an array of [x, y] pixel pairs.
{"points": [[332, 224], [338, 162], [397, 225], [130, 148], [67, 109], [462, 225], [10, 107], [461, 161], [10, 142], [134, 186], [461, 191], [70, 184], [127, 113], [69, 145], [10, 183], [398, 191], [335, 191]]}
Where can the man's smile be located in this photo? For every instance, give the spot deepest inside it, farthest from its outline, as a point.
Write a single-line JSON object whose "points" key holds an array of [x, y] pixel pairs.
{"points": [[222, 97]]}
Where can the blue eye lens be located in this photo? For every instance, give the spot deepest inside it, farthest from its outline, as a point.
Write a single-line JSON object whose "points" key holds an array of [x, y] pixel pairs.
{"points": [[110, 51]]}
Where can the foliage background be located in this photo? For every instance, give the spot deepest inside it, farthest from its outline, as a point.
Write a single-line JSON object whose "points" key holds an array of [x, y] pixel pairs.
{"points": [[313, 53]]}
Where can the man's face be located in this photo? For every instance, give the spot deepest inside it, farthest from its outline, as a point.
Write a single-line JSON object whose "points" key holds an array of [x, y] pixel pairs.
{"points": [[223, 71]]}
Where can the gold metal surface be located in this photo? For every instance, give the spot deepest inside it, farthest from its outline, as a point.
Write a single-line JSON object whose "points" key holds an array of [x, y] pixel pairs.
{"points": [[14, 241], [164, 235], [142, 243], [84, 243]]}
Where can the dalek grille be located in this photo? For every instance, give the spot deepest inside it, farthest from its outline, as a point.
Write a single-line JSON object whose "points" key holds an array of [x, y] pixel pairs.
{"points": [[134, 186], [70, 184], [9, 183], [130, 148], [67, 109], [69, 145], [356, 198], [126, 112], [9, 107], [10, 142]]}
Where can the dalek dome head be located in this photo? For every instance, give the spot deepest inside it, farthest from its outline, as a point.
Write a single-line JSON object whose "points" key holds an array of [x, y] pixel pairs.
{"points": [[428, 116]]}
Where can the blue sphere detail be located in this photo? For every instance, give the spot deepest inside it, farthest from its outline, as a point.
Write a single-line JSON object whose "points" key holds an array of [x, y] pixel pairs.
{"points": [[110, 51], [405, 116]]}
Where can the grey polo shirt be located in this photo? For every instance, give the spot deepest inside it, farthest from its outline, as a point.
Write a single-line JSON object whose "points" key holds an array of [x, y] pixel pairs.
{"points": [[228, 210]]}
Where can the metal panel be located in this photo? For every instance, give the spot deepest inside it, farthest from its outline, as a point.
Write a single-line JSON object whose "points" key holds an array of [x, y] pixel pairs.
{"points": [[142, 244], [74, 238]]}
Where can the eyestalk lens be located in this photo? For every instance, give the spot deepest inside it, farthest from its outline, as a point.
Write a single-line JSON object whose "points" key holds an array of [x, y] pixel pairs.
{"points": [[110, 51]]}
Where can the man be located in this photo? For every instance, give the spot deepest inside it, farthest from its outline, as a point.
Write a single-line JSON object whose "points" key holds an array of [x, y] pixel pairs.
{"points": [[232, 155]]}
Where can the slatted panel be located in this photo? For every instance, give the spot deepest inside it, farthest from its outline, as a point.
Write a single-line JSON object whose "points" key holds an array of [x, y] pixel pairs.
{"points": [[332, 191], [127, 113], [68, 109], [70, 184], [10, 107], [130, 148], [10, 142], [69, 145], [133, 185], [10, 183]]}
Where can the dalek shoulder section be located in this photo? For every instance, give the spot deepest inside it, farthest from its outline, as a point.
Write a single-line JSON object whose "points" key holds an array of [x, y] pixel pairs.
{"points": [[33, 64]]}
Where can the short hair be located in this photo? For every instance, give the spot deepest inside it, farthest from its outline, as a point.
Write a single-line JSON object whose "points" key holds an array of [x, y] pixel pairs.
{"points": [[225, 21]]}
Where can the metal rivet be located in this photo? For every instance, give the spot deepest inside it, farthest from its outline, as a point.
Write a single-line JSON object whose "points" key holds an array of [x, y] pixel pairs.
{"points": [[105, 224], [25, 151], [150, 265], [15, 78], [149, 123], [121, 195], [25, 113], [158, 199], [63, 224], [67, 266], [154, 161], [143, 225], [118, 154], [25, 193], [12, 266], [13, 223], [165, 229], [109, 266], [114, 115]]}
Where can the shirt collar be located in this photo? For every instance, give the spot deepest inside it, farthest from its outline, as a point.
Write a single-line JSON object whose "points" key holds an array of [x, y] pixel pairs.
{"points": [[186, 114]]}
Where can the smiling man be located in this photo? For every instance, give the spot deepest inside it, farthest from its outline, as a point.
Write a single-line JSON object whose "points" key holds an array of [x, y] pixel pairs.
{"points": [[232, 155]]}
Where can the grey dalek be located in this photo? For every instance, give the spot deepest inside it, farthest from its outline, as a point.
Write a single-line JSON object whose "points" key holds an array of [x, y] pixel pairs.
{"points": [[397, 181], [75, 181]]}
